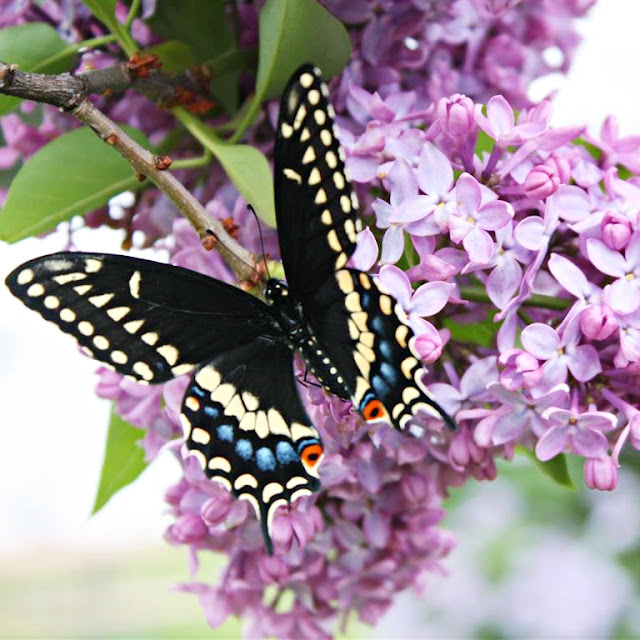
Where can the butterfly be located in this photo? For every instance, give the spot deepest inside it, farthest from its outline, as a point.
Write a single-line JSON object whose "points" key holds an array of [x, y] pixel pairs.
{"points": [[242, 416]]}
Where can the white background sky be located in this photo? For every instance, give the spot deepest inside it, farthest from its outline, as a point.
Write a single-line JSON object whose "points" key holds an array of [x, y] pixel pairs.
{"points": [[54, 427]]}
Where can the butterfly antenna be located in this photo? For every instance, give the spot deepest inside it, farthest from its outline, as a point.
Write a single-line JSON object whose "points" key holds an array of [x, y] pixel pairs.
{"points": [[264, 258]]}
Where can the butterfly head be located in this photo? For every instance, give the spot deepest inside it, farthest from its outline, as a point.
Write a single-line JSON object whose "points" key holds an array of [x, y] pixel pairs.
{"points": [[276, 292]]}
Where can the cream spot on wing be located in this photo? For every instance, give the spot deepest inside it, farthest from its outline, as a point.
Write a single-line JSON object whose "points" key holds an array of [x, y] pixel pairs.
{"points": [[362, 364], [248, 422], [360, 319], [25, 276], [334, 242], [200, 436], [220, 464], [326, 137], [350, 229], [386, 305], [296, 481], [314, 96], [133, 325], [67, 315], [345, 281], [223, 394], [367, 352], [300, 116], [235, 408], [271, 490], [362, 386], [409, 394], [81, 289], [245, 480], [341, 260], [306, 80], [326, 218], [331, 159], [286, 130], [199, 456], [338, 180], [367, 339], [192, 403], [305, 135], [407, 366], [208, 378], [35, 290], [299, 431], [101, 343], [181, 369], [169, 353], [66, 278], [117, 313], [345, 204], [314, 176], [143, 370], [134, 284], [319, 116], [92, 265], [352, 302], [309, 156], [119, 357], [401, 335], [321, 198], [101, 300], [52, 302], [184, 422], [292, 175], [151, 338], [85, 328], [262, 425], [277, 424], [397, 410], [250, 401]]}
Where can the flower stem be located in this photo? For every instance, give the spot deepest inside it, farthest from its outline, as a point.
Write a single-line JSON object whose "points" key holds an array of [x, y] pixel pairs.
{"points": [[479, 294]]}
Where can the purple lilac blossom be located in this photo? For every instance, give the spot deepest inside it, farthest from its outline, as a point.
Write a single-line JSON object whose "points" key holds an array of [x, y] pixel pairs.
{"points": [[531, 230]]}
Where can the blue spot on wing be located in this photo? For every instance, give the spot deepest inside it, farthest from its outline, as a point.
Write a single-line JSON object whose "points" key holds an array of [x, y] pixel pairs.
{"points": [[377, 323], [198, 391], [388, 372], [244, 449], [380, 385], [211, 411], [385, 349], [265, 459], [285, 453], [225, 432]]}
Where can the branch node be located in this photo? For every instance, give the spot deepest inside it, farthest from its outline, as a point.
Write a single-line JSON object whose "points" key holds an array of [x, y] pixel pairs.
{"points": [[163, 162], [230, 227], [140, 177], [111, 139], [209, 240], [141, 66]]}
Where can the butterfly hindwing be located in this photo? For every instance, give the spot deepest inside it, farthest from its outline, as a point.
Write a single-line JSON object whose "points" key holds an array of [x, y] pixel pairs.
{"points": [[244, 422], [315, 204], [147, 320], [367, 336]]}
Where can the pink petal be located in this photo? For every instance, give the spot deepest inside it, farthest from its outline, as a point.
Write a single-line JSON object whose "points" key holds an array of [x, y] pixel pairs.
{"points": [[395, 281], [392, 245], [551, 444], [479, 245], [584, 363], [435, 175], [540, 340], [431, 298], [606, 260], [590, 444]]}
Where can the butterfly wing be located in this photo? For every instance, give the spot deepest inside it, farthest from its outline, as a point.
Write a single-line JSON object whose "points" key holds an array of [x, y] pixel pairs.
{"points": [[364, 332], [264, 451], [242, 416], [144, 319], [315, 205]]}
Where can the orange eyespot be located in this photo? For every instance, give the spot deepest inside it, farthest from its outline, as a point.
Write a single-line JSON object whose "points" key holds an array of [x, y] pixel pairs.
{"points": [[312, 454], [373, 410]]}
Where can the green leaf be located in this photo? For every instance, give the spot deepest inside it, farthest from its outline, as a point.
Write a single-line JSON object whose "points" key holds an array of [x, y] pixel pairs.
{"points": [[482, 333], [36, 47], [484, 144], [105, 11], [123, 460], [72, 175], [245, 166], [292, 33], [174, 55], [556, 468], [205, 26]]}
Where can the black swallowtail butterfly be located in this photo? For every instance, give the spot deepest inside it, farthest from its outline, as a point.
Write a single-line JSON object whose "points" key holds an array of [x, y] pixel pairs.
{"points": [[242, 416]]}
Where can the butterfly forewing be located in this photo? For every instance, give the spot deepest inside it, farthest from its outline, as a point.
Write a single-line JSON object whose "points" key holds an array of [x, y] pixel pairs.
{"points": [[244, 422], [145, 319], [315, 204]]}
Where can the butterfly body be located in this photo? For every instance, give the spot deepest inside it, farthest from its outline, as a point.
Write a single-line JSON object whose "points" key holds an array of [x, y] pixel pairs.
{"points": [[242, 416]]}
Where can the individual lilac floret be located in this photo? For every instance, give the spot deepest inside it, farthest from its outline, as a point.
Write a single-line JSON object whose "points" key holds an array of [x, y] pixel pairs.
{"points": [[582, 433], [600, 473]]}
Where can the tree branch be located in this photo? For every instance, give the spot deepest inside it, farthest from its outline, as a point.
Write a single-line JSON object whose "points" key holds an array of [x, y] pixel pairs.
{"points": [[71, 92]]}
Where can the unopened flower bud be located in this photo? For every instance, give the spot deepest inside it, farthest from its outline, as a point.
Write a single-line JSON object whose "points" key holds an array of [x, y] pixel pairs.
{"points": [[456, 115], [429, 346], [521, 369], [541, 182], [600, 473], [616, 230], [561, 167], [188, 528], [215, 510], [598, 322]]}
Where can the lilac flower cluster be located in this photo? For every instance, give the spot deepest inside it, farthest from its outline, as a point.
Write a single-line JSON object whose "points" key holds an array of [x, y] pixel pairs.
{"points": [[486, 217]]}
